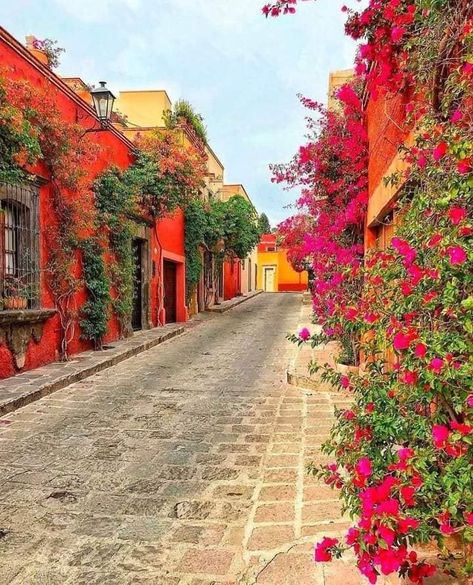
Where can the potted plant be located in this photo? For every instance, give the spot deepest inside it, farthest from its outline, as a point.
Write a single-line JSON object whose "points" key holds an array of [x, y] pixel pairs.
{"points": [[15, 293]]}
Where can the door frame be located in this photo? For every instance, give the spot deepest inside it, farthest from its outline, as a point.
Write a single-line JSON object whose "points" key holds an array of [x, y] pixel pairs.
{"points": [[266, 269], [143, 234], [175, 269]]}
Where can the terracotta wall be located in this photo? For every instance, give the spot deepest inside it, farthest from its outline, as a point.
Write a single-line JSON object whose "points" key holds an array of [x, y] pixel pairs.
{"points": [[387, 130], [114, 151]]}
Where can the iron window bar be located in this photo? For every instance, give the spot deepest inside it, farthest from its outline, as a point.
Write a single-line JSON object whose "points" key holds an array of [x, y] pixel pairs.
{"points": [[19, 247]]}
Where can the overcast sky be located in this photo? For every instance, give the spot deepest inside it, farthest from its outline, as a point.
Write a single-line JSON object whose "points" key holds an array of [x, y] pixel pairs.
{"points": [[241, 71]]}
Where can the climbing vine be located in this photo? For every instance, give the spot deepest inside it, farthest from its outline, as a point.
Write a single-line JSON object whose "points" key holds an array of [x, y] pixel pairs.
{"points": [[33, 132], [19, 144], [114, 201], [94, 313], [196, 219]]}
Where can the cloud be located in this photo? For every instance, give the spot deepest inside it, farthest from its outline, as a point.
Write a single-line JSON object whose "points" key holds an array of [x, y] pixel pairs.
{"points": [[240, 70], [95, 10]]}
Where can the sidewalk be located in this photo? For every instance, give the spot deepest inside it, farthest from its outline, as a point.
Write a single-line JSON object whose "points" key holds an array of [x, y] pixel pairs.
{"points": [[32, 385], [297, 371], [227, 305]]}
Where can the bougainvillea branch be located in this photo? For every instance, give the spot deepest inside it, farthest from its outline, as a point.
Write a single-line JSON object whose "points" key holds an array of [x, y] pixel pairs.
{"points": [[331, 170], [403, 451]]}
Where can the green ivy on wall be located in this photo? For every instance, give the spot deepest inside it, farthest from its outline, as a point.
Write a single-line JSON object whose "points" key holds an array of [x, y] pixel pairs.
{"points": [[114, 199], [94, 313], [195, 222]]}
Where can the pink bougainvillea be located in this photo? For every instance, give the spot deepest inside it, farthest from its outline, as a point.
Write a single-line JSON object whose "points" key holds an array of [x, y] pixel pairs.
{"points": [[403, 452]]}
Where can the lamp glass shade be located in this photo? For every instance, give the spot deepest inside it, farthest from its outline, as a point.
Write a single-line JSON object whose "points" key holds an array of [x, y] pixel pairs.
{"points": [[103, 100]]}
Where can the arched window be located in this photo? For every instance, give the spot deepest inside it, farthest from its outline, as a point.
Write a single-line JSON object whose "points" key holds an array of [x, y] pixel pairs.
{"points": [[19, 247]]}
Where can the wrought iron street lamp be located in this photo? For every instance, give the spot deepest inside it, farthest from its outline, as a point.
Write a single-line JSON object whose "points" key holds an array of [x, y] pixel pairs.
{"points": [[103, 100]]}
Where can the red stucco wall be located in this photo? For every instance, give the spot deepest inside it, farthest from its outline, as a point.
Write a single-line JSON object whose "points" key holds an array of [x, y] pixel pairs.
{"points": [[171, 234], [231, 279], [114, 151]]}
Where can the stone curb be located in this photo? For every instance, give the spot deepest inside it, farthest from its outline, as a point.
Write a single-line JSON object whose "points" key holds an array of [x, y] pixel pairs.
{"points": [[71, 372], [304, 382], [227, 305]]}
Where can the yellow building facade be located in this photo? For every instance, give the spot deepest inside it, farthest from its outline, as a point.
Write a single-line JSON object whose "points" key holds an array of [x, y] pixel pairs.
{"points": [[275, 272]]}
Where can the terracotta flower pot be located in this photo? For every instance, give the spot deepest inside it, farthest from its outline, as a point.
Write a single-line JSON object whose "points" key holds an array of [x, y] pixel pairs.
{"points": [[14, 303]]}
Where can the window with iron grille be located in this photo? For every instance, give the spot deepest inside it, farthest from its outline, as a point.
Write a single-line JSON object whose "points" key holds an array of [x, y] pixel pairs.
{"points": [[19, 246]]}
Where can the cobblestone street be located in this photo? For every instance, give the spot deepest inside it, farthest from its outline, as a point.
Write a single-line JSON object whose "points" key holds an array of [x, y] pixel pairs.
{"points": [[184, 465]]}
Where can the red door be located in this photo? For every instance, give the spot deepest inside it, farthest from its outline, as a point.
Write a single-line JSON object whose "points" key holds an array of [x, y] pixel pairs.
{"points": [[169, 274]]}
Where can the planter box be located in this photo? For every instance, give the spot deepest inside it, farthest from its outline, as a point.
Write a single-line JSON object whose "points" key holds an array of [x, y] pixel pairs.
{"points": [[346, 369]]}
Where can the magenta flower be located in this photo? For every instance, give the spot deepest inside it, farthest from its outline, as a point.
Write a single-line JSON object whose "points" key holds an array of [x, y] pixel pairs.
{"points": [[364, 467], [440, 434], [421, 350], [469, 401], [457, 116], [440, 151], [422, 161], [456, 214], [464, 167], [405, 453], [402, 341], [345, 382], [304, 334], [322, 553], [397, 33], [436, 365], [457, 255], [405, 525], [410, 378], [407, 493]]}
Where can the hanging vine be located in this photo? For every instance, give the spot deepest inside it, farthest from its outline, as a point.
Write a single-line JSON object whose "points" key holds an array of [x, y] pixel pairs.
{"points": [[114, 200], [33, 131], [94, 314]]}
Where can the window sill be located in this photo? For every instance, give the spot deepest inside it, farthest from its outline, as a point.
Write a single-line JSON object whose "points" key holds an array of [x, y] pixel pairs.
{"points": [[19, 316]]}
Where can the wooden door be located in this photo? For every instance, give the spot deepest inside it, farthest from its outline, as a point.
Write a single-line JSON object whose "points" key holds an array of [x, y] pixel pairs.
{"points": [[169, 275]]}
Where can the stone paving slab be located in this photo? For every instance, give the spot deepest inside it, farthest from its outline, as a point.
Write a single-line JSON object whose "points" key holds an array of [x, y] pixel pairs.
{"points": [[225, 306], [32, 385], [27, 387], [185, 465], [146, 472], [297, 373]]}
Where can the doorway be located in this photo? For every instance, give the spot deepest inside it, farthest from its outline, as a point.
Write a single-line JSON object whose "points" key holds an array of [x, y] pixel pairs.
{"points": [[169, 301], [137, 313], [249, 274], [269, 278]]}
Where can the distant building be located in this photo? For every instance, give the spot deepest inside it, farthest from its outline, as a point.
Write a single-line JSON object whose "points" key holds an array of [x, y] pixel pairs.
{"points": [[275, 272], [240, 276]]}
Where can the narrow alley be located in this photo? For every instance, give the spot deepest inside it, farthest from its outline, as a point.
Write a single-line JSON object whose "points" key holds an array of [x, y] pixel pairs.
{"points": [[183, 465]]}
